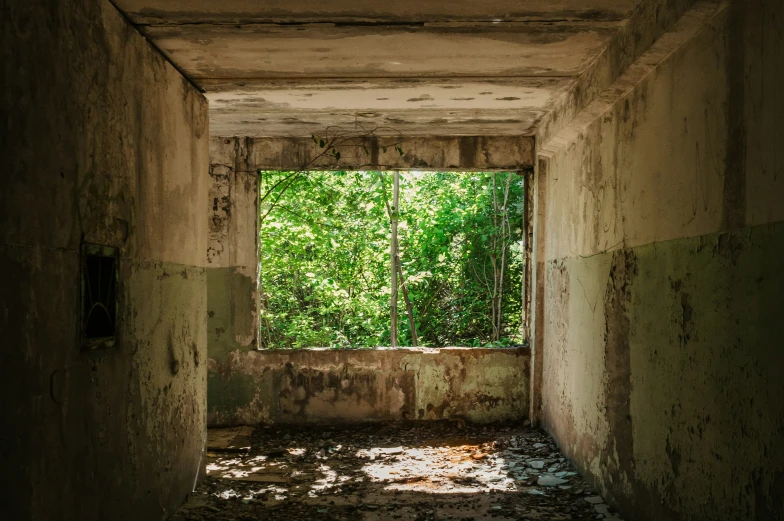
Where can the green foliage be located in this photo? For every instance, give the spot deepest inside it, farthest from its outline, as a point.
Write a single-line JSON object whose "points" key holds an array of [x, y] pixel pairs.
{"points": [[325, 258]]}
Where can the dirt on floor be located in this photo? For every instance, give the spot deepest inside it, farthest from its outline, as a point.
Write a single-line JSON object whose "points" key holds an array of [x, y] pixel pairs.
{"points": [[394, 471]]}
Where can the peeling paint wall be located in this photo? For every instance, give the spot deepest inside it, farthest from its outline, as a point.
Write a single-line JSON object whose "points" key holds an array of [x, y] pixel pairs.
{"points": [[423, 153], [660, 257], [645, 24], [316, 386], [232, 253], [103, 141], [247, 386]]}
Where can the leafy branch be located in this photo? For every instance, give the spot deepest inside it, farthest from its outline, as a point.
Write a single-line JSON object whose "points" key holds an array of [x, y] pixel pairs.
{"points": [[334, 140]]}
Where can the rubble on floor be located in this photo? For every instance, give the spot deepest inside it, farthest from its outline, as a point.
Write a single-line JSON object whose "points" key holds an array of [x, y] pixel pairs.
{"points": [[399, 471]]}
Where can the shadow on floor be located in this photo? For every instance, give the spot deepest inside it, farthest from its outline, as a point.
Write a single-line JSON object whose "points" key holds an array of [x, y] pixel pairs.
{"points": [[394, 471]]}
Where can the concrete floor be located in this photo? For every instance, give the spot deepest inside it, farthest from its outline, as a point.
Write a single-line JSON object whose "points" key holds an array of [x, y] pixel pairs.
{"points": [[432, 471]]}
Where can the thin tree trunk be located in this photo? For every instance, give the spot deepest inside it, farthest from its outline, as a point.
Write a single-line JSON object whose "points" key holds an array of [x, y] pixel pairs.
{"points": [[409, 307], [393, 258], [504, 245], [263, 307], [494, 261]]}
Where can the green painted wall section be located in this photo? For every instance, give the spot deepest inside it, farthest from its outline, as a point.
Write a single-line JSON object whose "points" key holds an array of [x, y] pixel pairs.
{"points": [[99, 404], [670, 373], [229, 393], [230, 308], [660, 244]]}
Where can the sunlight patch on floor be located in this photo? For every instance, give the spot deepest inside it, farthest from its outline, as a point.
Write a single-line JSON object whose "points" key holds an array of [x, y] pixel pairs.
{"points": [[390, 472]]}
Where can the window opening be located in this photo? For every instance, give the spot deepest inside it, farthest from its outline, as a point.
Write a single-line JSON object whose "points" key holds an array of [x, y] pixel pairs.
{"points": [[327, 264], [99, 296]]}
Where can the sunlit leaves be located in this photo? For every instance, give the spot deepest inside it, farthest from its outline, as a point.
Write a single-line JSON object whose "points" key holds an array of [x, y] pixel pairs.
{"points": [[325, 258]]}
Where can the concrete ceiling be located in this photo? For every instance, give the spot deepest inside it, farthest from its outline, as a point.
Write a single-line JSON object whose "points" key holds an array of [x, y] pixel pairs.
{"points": [[253, 11], [292, 68]]}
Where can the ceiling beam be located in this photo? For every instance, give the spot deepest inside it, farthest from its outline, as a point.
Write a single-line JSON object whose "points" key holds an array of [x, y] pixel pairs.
{"points": [[156, 12]]}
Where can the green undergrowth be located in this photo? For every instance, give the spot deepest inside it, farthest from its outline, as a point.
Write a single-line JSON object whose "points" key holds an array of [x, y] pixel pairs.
{"points": [[325, 258]]}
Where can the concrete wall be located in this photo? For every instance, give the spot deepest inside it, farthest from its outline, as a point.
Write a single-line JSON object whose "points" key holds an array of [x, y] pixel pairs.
{"points": [[248, 386], [232, 254], [103, 141], [316, 386], [659, 226], [370, 152], [236, 369]]}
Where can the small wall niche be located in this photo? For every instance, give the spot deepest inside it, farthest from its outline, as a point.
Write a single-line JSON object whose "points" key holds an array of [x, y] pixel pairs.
{"points": [[98, 296]]}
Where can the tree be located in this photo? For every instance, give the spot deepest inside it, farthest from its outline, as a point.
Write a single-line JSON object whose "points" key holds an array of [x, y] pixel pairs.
{"points": [[326, 258]]}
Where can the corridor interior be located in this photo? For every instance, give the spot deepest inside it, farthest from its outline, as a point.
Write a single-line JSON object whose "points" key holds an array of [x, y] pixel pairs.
{"points": [[648, 137]]}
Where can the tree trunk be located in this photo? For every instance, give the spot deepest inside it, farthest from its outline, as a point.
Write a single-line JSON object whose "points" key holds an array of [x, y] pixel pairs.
{"points": [[409, 307], [393, 259], [494, 261], [504, 245], [396, 261]]}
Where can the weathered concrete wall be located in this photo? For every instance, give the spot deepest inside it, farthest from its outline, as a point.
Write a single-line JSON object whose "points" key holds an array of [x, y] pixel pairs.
{"points": [[246, 386], [661, 259], [649, 20], [423, 153], [103, 141], [349, 386], [232, 254]]}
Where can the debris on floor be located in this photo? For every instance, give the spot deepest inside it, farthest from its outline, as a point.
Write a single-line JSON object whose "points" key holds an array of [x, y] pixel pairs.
{"points": [[231, 439], [394, 471]]}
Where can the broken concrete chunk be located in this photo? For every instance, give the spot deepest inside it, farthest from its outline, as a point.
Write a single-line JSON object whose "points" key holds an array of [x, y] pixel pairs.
{"points": [[550, 481]]}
